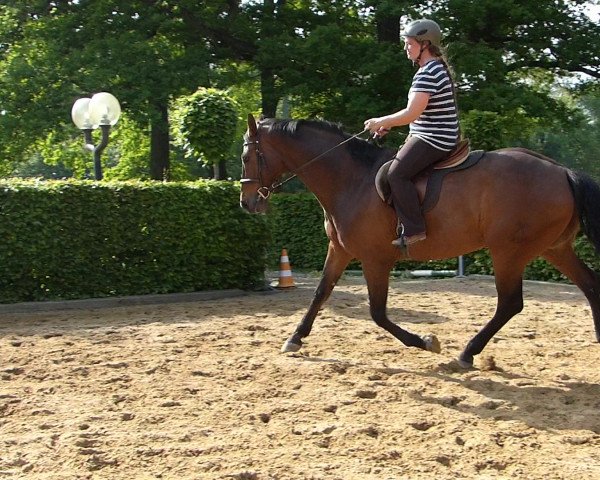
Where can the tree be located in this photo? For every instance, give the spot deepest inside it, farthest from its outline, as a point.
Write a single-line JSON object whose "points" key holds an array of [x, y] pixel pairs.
{"points": [[575, 143], [340, 60], [145, 52], [496, 48], [205, 126], [60, 50]]}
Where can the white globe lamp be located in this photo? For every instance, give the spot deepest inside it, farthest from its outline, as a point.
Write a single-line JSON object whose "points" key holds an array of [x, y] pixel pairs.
{"points": [[102, 110]]}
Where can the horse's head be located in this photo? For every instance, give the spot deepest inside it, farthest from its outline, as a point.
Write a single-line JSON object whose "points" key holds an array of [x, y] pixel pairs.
{"points": [[258, 174], [274, 147]]}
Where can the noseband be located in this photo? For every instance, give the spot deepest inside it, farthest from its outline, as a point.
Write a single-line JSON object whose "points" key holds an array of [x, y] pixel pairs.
{"points": [[265, 192]]}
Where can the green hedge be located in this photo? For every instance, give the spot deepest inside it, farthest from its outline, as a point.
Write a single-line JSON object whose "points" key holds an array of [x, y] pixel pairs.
{"points": [[296, 223], [480, 262], [78, 239]]}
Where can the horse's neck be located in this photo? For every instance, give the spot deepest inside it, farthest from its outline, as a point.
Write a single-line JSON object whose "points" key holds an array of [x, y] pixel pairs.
{"points": [[333, 177]]}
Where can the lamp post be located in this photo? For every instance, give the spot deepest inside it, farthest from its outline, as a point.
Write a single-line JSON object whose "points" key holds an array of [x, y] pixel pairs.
{"points": [[102, 110]]}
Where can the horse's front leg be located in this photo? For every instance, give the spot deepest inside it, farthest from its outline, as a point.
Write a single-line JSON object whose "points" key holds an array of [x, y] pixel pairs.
{"points": [[378, 280], [336, 262]]}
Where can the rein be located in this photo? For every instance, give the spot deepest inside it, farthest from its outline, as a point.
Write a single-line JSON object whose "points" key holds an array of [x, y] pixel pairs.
{"points": [[265, 192]]}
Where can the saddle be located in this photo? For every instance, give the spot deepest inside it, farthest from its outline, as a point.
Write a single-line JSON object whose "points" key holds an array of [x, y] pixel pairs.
{"points": [[429, 181]]}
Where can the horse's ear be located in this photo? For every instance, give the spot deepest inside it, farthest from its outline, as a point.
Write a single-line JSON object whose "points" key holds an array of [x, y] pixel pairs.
{"points": [[251, 124]]}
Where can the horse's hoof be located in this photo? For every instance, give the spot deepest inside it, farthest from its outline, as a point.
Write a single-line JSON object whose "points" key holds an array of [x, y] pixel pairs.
{"points": [[464, 364], [290, 346], [432, 344]]}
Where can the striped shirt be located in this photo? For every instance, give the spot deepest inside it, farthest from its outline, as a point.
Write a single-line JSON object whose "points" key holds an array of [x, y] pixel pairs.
{"points": [[438, 124]]}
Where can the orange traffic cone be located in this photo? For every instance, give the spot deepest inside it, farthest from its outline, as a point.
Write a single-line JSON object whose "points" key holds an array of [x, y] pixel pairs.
{"points": [[285, 272]]}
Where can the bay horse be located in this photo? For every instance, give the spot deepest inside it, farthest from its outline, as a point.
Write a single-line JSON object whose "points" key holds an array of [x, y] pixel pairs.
{"points": [[517, 203]]}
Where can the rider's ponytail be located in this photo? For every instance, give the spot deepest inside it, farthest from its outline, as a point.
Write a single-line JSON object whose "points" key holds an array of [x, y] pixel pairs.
{"points": [[440, 52]]}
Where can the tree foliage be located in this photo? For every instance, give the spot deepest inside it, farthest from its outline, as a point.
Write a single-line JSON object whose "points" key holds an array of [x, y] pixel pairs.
{"points": [[342, 61], [205, 123], [61, 50]]}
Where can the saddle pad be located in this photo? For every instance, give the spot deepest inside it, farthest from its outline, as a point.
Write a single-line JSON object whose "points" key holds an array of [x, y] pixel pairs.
{"points": [[428, 183], [430, 186], [457, 156]]}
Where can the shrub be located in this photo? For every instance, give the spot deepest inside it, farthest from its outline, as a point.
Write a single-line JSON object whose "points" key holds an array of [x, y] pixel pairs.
{"points": [[76, 239]]}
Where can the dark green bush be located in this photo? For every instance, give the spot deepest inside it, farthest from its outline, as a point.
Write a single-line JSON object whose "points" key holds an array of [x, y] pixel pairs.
{"points": [[480, 262], [296, 223], [77, 239]]}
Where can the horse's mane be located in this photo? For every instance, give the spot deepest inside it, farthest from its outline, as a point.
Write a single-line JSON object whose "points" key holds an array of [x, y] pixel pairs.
{"points": [[359, 149]]}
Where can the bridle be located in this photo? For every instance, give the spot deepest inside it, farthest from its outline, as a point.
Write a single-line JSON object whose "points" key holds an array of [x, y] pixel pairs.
{"points": [[265, 191]]}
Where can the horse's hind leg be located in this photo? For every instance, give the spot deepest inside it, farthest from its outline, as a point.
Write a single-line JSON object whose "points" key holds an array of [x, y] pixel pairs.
{"points": [[336, 262], [378, 280], [580, 274], [509, 285]]}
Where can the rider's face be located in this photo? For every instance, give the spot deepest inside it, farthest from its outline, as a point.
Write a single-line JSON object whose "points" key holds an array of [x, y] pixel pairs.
{"points": [[412, 48]]}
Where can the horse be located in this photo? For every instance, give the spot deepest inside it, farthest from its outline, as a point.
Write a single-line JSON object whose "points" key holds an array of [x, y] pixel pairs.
{"points": [[515, 202]]}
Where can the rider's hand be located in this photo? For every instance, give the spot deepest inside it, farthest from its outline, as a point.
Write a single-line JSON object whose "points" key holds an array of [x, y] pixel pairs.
{"points": [[373, 124], [381, 132], [376, 127]]}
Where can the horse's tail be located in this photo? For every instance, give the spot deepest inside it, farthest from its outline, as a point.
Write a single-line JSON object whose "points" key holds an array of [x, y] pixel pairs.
{"points": [[587, 201]]}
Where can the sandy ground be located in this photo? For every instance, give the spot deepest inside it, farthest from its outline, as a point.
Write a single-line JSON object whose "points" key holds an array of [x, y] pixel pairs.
{"points": [[199, 390]]}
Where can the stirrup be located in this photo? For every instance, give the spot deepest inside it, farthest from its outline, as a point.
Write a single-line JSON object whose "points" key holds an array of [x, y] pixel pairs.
{"points": [[403, 241]]}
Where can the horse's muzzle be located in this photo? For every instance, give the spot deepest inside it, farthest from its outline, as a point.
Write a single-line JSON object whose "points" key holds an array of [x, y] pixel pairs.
{"points": [[253, 204]]}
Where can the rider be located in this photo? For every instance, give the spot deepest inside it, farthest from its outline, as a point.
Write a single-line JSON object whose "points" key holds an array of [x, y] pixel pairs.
{"points": [[432, 114]]}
